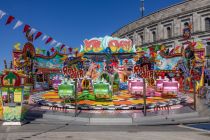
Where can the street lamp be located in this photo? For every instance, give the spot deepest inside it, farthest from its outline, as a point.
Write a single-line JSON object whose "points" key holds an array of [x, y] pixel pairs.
{"points": [[144, 95], [142, 8]]}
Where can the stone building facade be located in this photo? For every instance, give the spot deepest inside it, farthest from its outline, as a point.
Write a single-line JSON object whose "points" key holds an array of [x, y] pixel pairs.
{"points": [[166, 26]]}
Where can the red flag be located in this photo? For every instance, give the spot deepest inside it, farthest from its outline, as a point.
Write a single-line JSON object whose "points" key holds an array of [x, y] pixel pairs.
{"points": [[10, 19], [62, 47], [38, 35], [52, 49], [48, 40], [70, 50], [26, 28]]}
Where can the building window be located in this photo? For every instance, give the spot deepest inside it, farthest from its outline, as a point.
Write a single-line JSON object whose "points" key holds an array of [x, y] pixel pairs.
{"points": [[169, 33], [186, 24], [153, 36], [142, 39], [207, 24]]}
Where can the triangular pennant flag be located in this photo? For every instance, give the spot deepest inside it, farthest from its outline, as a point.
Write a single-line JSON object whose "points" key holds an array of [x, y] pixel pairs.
{"points": [[26, 28], [57, 49], [52, 49], [58, 44], [62, 47], [145, 48], [44, 37], [43, 51], [157, 48], [2, 13], [48, 40], [32, 31], [64, 50], [18, 24], [17, 46], [70, 49], [10, 19], [38, 50], [38, 35], [53, 42]]}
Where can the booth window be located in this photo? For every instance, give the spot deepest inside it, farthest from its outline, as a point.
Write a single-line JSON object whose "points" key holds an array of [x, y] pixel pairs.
{"points": [[207, 24]]}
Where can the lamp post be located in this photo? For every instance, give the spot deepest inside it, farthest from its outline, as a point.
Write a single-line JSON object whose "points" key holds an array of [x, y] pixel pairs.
{"points": [[144, 96], [194, 94], [142, 8], [75, 98]]}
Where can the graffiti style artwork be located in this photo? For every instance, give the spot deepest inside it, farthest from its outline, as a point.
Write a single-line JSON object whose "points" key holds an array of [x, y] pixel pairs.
{"points": [[107, 45]]}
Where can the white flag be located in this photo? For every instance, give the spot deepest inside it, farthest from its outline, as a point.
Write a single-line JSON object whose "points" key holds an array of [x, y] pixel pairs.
{"points": [[53, 42], [32, 31], [2, 13], [18, 23], [58, 44], [44, 37]]}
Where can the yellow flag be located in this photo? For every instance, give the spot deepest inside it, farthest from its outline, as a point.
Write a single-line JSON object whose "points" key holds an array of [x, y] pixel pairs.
{"points": [[199, 45], [64, 50], [139, 49], [17, 46], [38, 51], [162, 47], [75, 49]]}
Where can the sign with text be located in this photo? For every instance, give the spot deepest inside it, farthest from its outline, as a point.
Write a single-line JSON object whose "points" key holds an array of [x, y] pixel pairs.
{"points": [[143, 72], [73, 72]]}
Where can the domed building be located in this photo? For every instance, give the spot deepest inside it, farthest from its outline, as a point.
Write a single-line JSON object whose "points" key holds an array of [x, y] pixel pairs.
{"points": [[170, 26]]}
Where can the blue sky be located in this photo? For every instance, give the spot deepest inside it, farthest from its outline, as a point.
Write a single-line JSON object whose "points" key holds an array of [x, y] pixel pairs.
{"points": [[69, 21]]}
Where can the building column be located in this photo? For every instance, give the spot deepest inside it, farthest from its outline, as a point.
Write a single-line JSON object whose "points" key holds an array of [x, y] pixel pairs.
{"points": [[177, 27]]}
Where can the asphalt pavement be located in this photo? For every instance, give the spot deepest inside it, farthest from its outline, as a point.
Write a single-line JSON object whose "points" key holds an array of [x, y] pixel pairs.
{"points": [[44, 130]]}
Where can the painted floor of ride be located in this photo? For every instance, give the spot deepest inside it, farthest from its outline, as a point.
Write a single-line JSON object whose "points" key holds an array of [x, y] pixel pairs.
{"points": [[122, 101]]}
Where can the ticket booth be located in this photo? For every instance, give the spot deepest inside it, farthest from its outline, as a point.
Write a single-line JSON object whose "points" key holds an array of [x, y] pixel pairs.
{"points": [[12, 93], [12, 104]]}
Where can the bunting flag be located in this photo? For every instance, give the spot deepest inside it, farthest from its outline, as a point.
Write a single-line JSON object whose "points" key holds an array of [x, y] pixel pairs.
{"points": [[17, 46], [75, 49], [157, 48], [145, 49], [18, 24], [32, 31], [38, 50], [62, 47], [57, 49], [10, 19], [44, 37], [26, 28], [38, 35], [162, 48], [64, 50], [2, 13], [48, 40], [151, 49], [43, 51], [53, 42], [58, 44], [52, 49], [70, 50], [139, 49]]}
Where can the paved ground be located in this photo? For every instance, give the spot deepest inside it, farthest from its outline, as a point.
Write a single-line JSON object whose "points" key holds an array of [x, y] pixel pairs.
{"points": [[44, 130]]}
